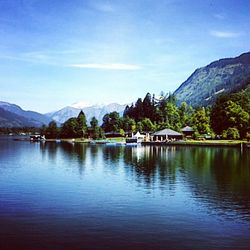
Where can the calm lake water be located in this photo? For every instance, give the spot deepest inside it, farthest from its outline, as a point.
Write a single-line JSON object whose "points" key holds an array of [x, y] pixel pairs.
{"points": [[75, 196]]}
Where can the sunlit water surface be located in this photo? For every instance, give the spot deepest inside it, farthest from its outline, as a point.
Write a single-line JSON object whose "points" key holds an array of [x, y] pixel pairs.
{"points": [[77, 196]]}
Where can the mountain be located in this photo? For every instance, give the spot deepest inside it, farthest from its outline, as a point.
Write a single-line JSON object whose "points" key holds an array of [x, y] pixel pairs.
{"points": [[95, 110], [63, 114], [9, 119], [12, 115], [223, 76]]}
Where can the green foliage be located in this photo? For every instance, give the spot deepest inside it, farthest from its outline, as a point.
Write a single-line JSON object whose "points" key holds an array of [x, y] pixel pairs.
{"points": [[229, 117], [70, 128], [95, 130], [151, 110], [122, 132], [185, 113], [111, 122], [81, 125], [52, 131], [139, 126], [231, 111], [200, 121], [94, 123], [141, 109], [196, 135], [248, 136], [171, 115], [128, 124], [74, 127], [231, 134], [147, 125]]}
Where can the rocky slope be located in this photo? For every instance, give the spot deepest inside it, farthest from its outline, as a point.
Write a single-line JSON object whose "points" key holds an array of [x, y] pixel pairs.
{"points": [[222, 76]]}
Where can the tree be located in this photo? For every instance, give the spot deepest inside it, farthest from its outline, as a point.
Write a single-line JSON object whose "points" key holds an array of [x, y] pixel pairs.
{"points": [[172, 116], [185, 112], [128, 124], [122, 132], [126, 111], [227, 113], [70, 128], [201, 121], [148, 107], [111, 122], [95, 129], [52, 130], [94, 122], [138, 110], [42, 130], [81, 124], [231, 134], [147, 125], [139, 126]]}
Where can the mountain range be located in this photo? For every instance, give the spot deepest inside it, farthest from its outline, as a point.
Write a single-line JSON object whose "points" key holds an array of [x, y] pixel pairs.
{"points": [[98, 111], [11, 115], [222, 76]]}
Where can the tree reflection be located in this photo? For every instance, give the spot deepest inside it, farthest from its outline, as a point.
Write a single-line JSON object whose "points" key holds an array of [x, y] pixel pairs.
{"points": [[68, 151], [218, 177]]}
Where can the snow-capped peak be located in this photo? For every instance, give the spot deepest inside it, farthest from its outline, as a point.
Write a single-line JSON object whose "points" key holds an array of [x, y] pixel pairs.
{"points": [[86, 104], [81, 104]]}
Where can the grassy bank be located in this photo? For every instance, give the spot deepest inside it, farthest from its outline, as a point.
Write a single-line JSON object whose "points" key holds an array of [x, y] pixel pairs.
{"points": [[211, 143]]}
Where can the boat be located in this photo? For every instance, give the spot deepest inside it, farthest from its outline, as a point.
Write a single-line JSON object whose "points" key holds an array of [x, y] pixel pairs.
{"points": [[35, 138], [135, 139]]}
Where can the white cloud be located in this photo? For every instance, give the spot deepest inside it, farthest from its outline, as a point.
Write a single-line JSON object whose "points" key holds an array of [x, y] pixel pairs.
{"points": [[110, 66], [225, 34]]}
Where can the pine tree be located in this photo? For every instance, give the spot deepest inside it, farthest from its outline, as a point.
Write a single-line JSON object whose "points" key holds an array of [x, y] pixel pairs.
{"points": [[81, 124]]}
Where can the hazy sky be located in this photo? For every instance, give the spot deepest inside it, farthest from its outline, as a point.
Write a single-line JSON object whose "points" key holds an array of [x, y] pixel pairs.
{"points": [[57, 52]]}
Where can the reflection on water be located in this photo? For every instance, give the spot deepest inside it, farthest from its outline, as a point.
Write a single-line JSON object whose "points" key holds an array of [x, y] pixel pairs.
{"points": [[219, 176], [70, 195]]}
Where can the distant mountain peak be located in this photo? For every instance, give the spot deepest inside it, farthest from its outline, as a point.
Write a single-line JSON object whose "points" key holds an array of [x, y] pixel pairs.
{"points": [[81, 104], [98, 110]]}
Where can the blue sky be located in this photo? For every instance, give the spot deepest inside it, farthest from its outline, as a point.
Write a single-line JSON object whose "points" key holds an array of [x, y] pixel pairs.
{"points": [[55, 53]]}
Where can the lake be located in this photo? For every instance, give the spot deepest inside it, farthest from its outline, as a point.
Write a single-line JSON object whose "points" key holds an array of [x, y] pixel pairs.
{"points": [[80, 196]]}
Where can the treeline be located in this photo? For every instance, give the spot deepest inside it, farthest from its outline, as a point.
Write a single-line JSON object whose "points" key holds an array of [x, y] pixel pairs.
{"points": [[18, 130], [75, 127], [228, 118]]}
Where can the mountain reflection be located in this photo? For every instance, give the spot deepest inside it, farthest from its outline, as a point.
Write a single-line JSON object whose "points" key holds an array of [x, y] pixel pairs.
{"points": [[218, 177]]}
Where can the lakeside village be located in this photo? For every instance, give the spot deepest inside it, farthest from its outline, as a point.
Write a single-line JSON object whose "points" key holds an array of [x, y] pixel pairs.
{"points": [[161, 121]]}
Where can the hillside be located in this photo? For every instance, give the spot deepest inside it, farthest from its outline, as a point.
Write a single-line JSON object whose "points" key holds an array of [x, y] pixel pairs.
{"points": [[222, 76], [9, 119], [12, 115]]}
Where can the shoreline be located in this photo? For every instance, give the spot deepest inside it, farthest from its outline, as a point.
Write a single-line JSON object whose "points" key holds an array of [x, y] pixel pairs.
{"points": [[235, 144], [212, 143], [121, 141]]}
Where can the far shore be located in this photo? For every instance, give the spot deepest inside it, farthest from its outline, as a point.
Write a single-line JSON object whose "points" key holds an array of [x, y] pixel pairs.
{"points": [[208, 143]]}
